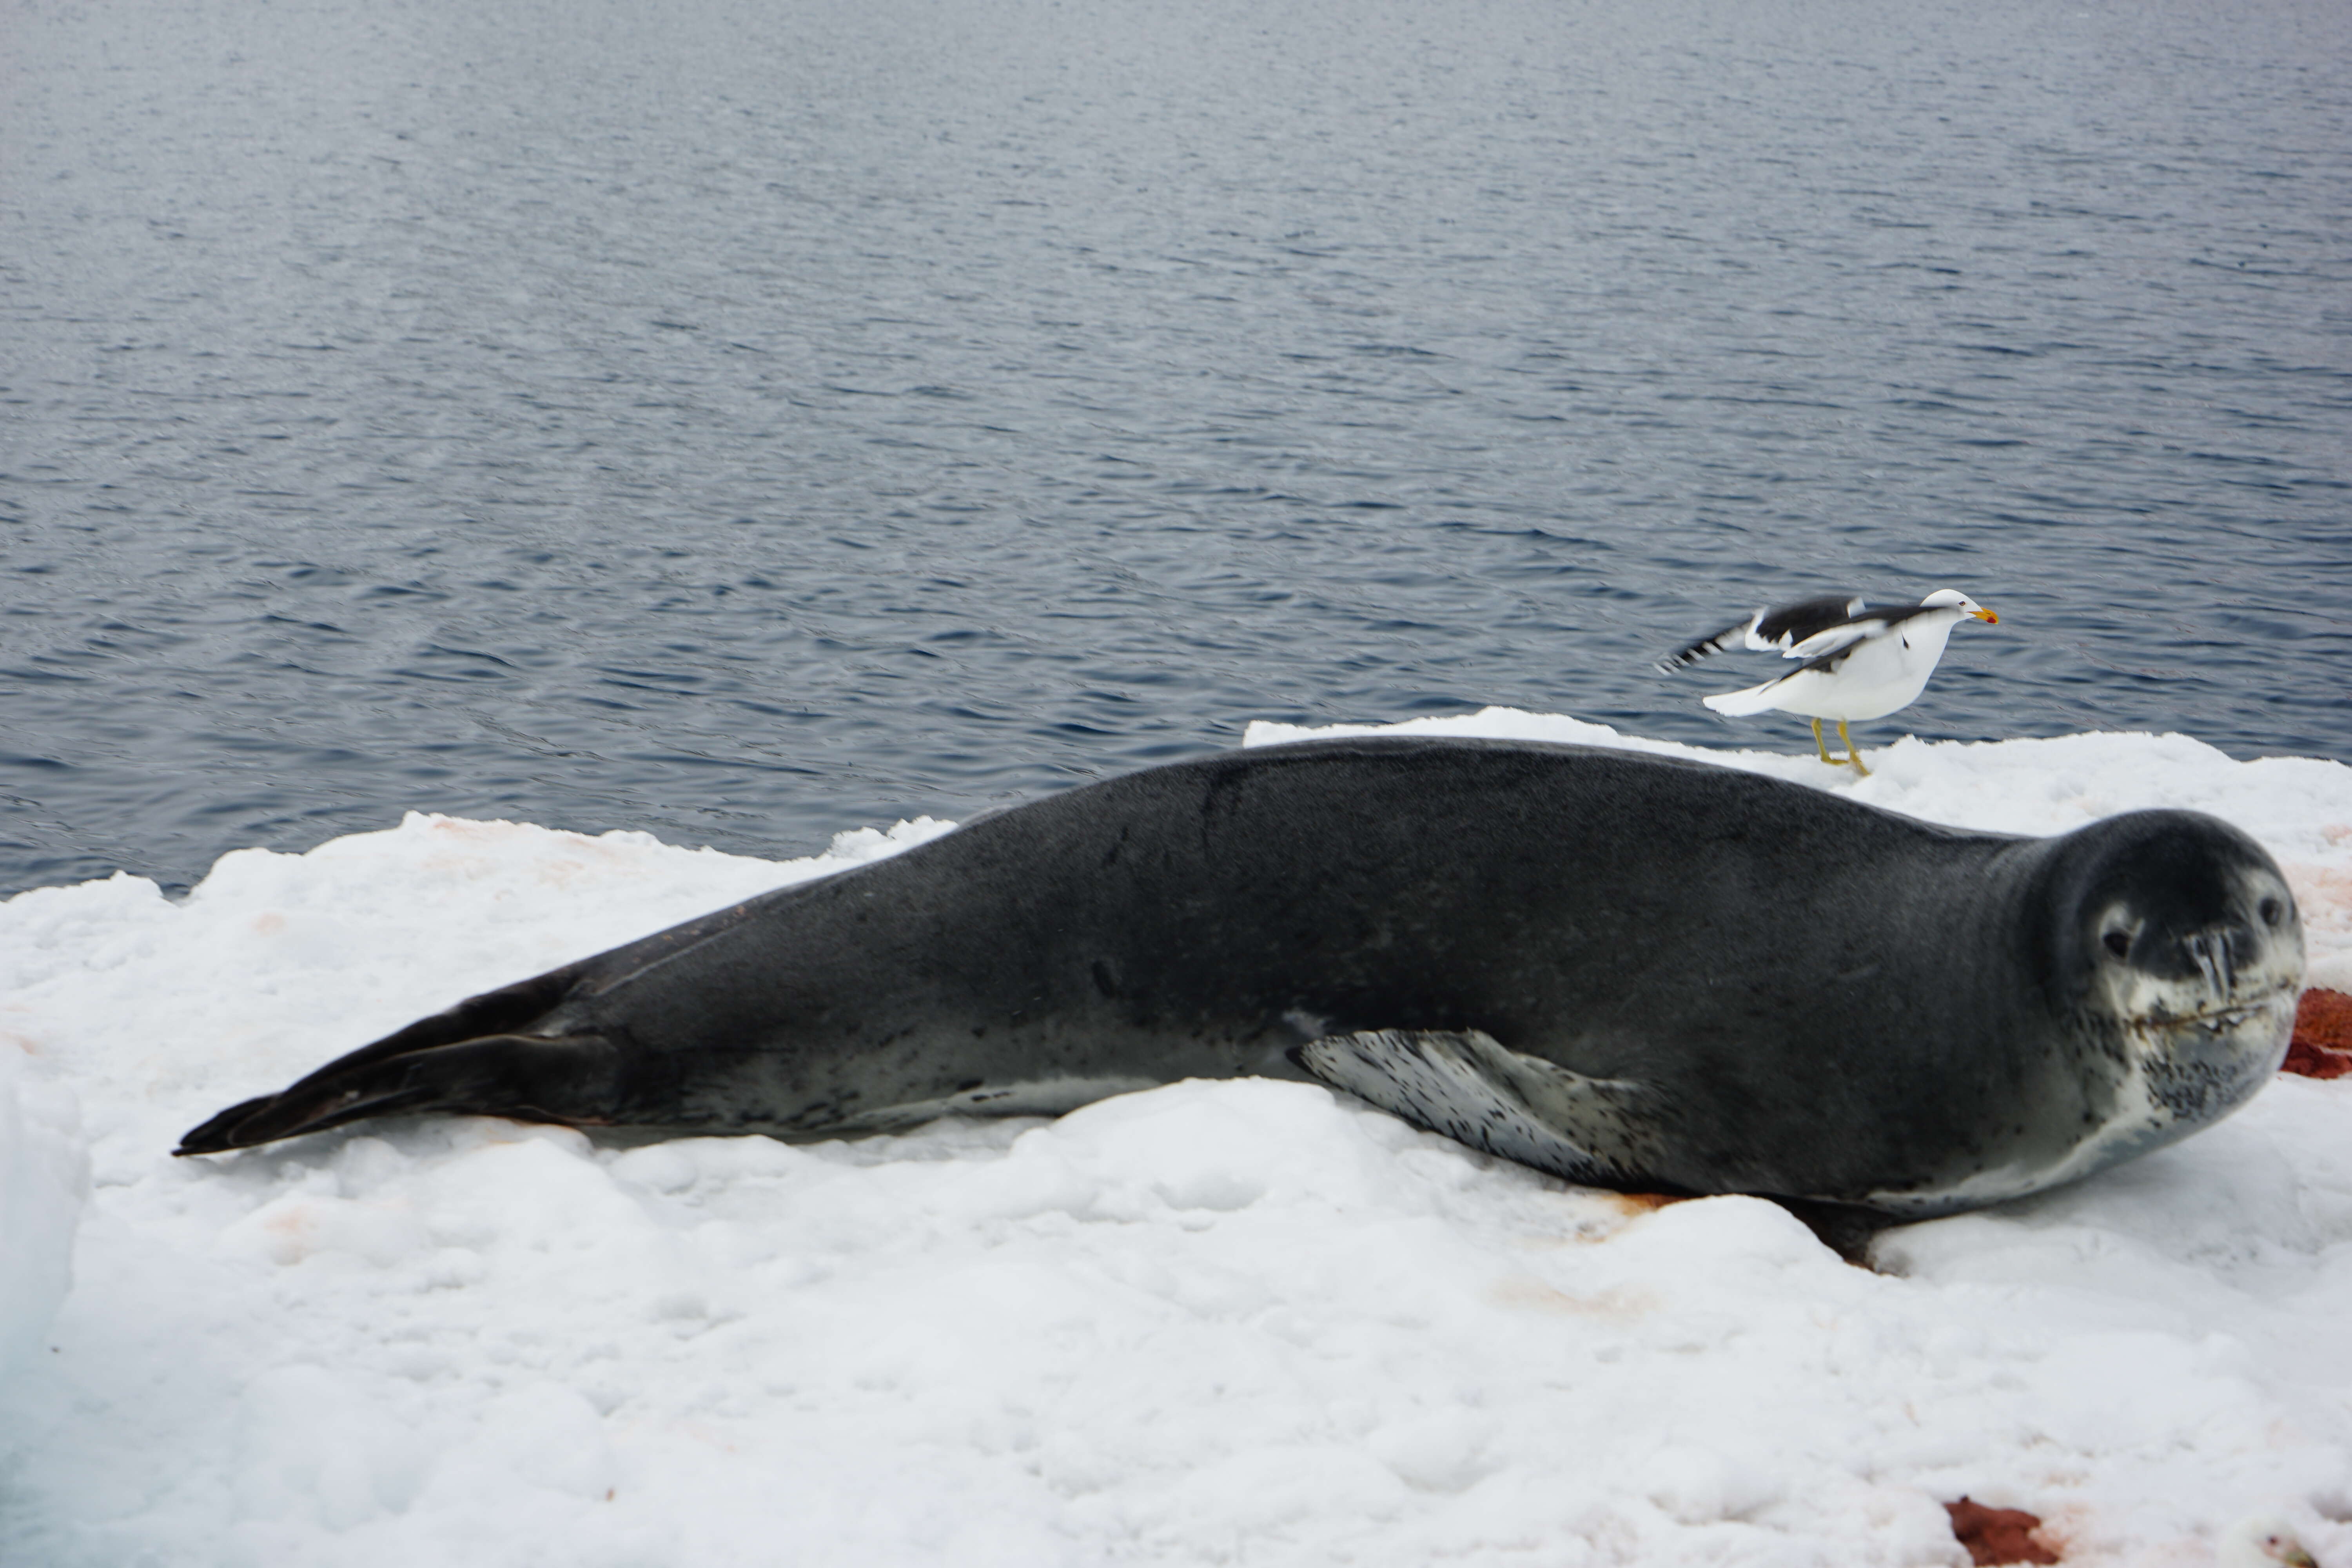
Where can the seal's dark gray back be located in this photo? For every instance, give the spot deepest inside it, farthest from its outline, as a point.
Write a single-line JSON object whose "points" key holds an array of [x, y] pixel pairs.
{"points": [[1613, 913]]}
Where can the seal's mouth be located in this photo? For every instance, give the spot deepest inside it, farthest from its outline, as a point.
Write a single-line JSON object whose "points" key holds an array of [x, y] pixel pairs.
{"points": [[2215, 1022]]}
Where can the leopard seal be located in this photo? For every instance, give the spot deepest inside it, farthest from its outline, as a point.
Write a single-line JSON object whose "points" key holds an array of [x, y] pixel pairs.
{"points": [[1626, 969]]}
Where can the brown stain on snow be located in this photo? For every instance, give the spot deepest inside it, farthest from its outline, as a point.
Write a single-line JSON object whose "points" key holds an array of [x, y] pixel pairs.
{"points": [[1611, 1305], [1635, 1205], [1998, 1534], [2322, 1047]]}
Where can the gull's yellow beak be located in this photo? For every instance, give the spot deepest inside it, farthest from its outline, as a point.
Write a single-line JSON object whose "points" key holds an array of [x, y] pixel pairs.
{"points": [[1987, 616]]}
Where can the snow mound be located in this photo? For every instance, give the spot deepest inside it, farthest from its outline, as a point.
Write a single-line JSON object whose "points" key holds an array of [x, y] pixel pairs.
{"points": [[44, 1172]]}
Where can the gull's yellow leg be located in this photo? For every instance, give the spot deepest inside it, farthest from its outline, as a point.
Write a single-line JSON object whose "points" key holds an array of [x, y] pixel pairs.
{"points": [[1823, 747], [1852, 755]]}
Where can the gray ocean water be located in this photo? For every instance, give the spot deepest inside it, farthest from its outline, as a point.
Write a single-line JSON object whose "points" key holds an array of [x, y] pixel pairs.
{"points": [[743, 421]]}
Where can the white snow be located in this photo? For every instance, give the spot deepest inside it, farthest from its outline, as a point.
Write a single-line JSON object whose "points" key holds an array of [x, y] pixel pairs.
{"points": [[43, 1171], [1243, 1322]]}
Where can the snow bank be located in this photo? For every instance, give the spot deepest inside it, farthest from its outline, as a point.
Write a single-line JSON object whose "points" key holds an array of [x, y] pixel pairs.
{"points": [[1240, 1323], [44, 1171]]}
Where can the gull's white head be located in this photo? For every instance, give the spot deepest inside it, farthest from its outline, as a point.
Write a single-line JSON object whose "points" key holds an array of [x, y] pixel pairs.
{"points": [[2261, 1541], [1953, 599]]}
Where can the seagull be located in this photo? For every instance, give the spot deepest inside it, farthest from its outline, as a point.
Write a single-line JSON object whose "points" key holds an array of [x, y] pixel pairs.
{"points": [[2257, 1542], [1862, 660]]}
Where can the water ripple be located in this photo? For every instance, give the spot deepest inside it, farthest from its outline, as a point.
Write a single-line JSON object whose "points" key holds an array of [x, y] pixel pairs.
{"points": [[744, 424]]}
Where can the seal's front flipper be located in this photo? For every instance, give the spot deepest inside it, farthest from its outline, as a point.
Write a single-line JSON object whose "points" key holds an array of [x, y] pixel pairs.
{"points": [[571, 1078], [1468, 1087]]}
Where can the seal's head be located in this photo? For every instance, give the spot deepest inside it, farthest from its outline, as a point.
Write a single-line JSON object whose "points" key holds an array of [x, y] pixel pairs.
{"points": [[2179, 947], [2168, 954]]}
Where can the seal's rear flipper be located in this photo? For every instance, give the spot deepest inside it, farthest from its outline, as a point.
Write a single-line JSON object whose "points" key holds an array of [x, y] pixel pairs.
{"points": [[1468, 1087], [573, 1077]]}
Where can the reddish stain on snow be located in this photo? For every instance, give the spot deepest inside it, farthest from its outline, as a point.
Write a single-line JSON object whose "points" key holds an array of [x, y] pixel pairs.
{"points": [[1998, 1534], [2322, 1035]]}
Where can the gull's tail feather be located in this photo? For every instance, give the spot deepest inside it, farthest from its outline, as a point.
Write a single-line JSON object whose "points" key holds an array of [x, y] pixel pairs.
{"points": [[1754, 700]]}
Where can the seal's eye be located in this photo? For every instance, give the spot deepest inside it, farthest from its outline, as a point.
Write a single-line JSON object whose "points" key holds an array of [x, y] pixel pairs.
{"points": [[2272, 911], [2118, 942]]}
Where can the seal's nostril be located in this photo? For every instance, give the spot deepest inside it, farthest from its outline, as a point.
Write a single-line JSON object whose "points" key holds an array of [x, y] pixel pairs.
{"points": [[2118, 942]]}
